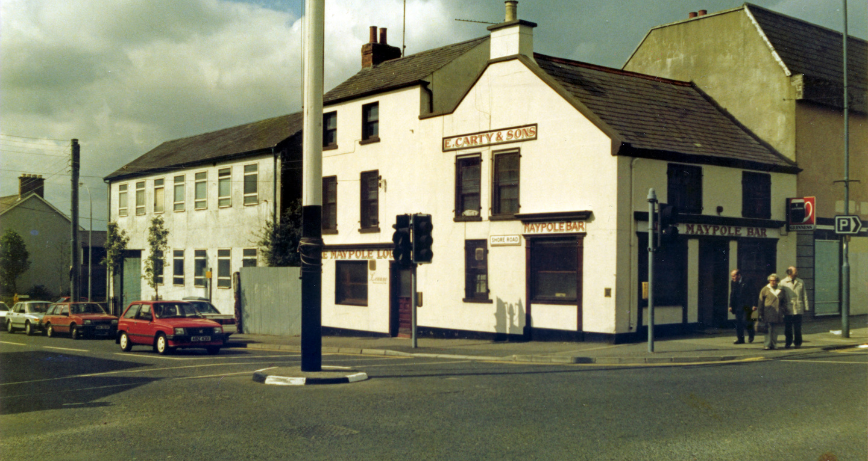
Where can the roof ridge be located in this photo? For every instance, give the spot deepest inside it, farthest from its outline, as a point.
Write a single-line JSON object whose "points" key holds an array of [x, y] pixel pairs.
{"points": [[612, 70], [430, 50], [803, 21]]}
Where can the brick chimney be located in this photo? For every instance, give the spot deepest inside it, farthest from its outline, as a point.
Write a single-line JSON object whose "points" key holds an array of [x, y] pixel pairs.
{"points": [[374, 52], [513, 36], [30, 184]]}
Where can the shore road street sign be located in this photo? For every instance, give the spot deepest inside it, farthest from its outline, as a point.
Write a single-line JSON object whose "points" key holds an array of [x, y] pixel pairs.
{"points": [[847, 225]]}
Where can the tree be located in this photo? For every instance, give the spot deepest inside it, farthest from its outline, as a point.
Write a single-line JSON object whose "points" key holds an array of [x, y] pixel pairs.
{"points": [[158, 242], [14, 259], [279, 240], [115, 245]]}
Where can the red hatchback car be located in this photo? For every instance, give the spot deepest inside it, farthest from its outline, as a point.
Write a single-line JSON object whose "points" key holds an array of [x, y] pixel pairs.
{"points": [[165, 325], [79, 320]]}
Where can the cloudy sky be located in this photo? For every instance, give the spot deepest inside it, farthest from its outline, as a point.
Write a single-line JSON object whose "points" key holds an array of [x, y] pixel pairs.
{"points": [[122, 76]]}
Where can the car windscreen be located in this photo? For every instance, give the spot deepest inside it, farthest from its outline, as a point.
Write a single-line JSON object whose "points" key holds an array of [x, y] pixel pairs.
{"points": [[4, 307], [204, 307], [38, 308], [175, 310], [89, 308]]}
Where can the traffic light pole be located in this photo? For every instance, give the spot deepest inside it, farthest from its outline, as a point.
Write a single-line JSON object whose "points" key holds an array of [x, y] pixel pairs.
{"points": [[413, 301], [652, 200]]}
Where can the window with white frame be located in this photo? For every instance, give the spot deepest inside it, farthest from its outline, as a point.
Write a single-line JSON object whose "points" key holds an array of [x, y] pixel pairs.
{"points": [[200, 260], [224, 269], [251, 184], [122, 200], [159, 195], [201, 188], [159, 265], [180, 193], [140, 198], [248, 257], [178, 267], [224, 187]]}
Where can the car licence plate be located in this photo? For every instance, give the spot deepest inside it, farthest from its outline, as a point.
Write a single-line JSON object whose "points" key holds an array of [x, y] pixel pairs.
{"points": [[102, 327], [200, 338]]}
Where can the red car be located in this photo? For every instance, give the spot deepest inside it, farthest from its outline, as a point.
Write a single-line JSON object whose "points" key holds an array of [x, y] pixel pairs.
{"points": [[79, 320], [166, 325]]}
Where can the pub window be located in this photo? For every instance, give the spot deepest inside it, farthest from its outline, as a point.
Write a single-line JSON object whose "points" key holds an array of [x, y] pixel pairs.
{"points": [[200, 260], [756, 195], [248, 257], [200, 187], [351, 283], [684, 188], [122, 200], [140, 198], [224, 271], [371, 122], [554, 270], [369, 200], [159, 264], [179, 193], [251, 184], [505, 184], [330, 204], [475, 270], [159, 195], [224, 187], [330, 130], [467, 185], [178, 267]]}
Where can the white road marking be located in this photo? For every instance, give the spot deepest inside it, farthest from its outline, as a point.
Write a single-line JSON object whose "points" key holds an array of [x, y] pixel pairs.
{"points": [[826, 361], [16, 344], [66, 349]]}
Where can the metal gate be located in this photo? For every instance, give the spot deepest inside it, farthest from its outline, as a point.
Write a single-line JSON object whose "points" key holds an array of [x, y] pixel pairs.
{"points": [[271, 300]]}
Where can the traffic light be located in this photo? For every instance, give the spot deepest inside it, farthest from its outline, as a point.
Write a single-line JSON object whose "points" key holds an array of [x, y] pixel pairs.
{"points": [[422, 239], [403, 249], [668, 223]]}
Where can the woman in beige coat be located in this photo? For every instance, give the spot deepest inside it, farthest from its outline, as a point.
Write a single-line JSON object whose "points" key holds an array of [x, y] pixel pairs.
{"points": [[772, 307]]}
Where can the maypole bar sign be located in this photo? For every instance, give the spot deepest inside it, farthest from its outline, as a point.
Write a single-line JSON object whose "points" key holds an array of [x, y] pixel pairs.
{"points": [[801, 213], [487, 138]]}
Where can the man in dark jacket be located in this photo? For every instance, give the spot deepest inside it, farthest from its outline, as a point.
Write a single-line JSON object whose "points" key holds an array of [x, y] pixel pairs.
{"points": [[740, 305]]}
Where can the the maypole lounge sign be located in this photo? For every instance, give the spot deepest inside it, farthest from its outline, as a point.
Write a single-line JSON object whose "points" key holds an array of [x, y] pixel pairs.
{"points": [[487, 138]]}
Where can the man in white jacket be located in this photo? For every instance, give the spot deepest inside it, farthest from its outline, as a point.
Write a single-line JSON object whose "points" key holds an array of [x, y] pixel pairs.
{"points": [[798, 306]]}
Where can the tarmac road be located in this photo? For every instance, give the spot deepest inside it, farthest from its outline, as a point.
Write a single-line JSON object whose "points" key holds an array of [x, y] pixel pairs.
{"points": [[64, 399]]}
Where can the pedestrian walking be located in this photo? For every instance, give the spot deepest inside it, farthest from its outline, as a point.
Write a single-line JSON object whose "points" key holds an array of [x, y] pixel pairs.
{"points": [[798, 306], [740, 307], [772, 307]]}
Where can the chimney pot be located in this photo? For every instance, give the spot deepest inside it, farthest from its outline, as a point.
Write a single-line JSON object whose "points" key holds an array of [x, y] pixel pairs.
{"points": [[373, 35], [691, 15], [702, 12], [383, 36], [511, 10]]}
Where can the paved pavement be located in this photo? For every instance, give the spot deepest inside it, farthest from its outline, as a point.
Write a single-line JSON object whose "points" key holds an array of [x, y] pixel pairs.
{"points": [[706, 346]]}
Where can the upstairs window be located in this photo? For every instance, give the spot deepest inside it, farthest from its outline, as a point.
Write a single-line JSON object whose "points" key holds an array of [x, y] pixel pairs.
{"points": [[179, 193], [122, 200], [330, 130], [371, 122], [201, 189], [505, 184], [224, 268], [159, 195], [370, 201], [251, 184], [756, 195], [330, 204], [468, 177], [178, 267], [224, 187], [684, 189], [200, 264], [248, 257], [140, 198]]}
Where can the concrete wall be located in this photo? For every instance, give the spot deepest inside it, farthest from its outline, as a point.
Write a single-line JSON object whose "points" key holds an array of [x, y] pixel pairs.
{"points": [[271, 300], [235, 227]]}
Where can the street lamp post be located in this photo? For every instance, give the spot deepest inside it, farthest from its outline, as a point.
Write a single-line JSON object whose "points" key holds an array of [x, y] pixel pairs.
{"points": [[89, 241]]}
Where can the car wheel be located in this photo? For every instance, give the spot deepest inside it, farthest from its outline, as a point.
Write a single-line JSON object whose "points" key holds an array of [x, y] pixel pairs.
{"points": [[73, 332], [162, 345], [49, 330], [9, 326], [28, 329], [213, 350], [125, 343]]}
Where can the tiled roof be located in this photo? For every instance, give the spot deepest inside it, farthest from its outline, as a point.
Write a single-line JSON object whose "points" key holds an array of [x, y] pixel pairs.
{"points": [[243, 139], [7, 202], [399, 72], [659, 115], [812, 50]]}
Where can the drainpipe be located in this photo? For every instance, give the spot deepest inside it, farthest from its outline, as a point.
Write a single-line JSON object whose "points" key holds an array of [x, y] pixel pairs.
{"points": [[108, 272], [274, 185]]}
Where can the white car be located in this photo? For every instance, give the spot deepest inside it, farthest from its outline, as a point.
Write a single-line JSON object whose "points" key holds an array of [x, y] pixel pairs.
{"points": [[27, 315], [207, 310], [3, 310]]}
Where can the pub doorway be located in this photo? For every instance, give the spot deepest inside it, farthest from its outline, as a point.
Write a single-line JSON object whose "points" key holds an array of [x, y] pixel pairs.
{"points": [[713, 282], [400, 311], [756, 260]]}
